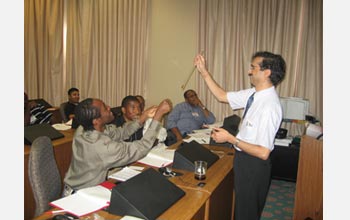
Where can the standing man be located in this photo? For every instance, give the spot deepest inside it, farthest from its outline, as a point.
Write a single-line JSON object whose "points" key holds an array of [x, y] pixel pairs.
{"points": [[187, 116], [255, 140]]}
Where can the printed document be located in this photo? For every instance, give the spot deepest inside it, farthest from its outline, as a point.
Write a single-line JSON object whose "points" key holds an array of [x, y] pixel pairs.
{"points": [[124, 174], [158, 156]]}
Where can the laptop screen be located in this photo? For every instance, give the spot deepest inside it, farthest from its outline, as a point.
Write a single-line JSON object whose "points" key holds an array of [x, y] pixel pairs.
{"points": [[34, 131]]}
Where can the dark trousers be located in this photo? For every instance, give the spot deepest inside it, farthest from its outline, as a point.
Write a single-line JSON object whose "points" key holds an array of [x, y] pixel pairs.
{"points": [[252, 178]]}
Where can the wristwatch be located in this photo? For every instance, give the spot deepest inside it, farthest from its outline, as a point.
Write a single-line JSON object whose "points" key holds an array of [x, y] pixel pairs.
{"points": [[237, 142]]}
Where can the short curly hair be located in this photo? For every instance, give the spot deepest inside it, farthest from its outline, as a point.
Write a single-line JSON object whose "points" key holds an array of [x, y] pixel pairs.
{"points": [[85, 113], [273, 62]]}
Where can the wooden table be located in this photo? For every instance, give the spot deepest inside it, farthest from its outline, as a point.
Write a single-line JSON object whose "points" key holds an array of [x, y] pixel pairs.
{"points": [[191, 206], [63, 154], [218, 183], [211, 202]]}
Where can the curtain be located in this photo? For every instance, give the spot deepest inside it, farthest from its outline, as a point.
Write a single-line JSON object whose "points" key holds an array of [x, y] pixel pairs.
{"points": [[231, 31], [107, 44], [43, 46], [106, 48]]}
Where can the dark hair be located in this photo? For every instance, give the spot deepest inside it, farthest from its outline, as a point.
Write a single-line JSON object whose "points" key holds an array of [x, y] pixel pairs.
{"points": [[273, 62], [140, 96], [71, 90], [85, 113], [128, 99], [187, 91]]}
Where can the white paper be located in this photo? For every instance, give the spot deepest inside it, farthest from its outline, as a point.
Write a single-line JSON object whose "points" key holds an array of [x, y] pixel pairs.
{"points": [[158, 156], [124, 174], [128, 217], [313, 130], [85, 201], [61, 127], [203, 140], [284, 142]]}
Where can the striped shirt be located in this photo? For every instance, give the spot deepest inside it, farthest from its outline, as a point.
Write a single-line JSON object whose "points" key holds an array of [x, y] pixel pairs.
{"points": [[39, 115]]}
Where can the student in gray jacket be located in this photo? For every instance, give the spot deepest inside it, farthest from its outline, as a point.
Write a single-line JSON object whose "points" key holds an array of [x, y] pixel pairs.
{"points": [[98, 146]]}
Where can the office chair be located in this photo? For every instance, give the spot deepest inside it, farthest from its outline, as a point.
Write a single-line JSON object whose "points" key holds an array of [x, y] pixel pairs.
{"points": [[63, 115], [43, 173]]}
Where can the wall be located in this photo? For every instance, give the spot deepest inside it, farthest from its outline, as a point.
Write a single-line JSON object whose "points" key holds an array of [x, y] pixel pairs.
{"points": [[173, 45]]}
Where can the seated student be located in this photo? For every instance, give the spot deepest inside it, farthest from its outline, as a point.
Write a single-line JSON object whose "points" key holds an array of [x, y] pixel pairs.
{"points": [[98, 146], [186, 117], [73, 101], [35, 113], [130, 111]]}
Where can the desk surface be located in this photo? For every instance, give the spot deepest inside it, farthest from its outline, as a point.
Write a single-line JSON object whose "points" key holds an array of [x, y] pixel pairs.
{"points": [[198, 202], [215, 174], [181, 210]]}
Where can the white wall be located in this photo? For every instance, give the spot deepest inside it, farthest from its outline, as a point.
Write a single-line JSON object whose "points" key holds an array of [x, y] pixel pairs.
{"points": [[173, 45]]}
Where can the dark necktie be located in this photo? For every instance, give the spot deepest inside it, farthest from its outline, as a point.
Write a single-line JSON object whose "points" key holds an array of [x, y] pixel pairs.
{"points": [[249, 103]]}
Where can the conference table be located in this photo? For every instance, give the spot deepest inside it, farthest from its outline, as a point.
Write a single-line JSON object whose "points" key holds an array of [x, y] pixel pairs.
{"points": [[214, 200]]}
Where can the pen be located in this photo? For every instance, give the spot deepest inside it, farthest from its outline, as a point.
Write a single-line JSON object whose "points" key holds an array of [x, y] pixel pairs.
{"points": [[56, 211]]}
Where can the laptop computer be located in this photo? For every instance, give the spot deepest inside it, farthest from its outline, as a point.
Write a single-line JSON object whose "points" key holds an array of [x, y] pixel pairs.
{"points": [[188, 153], [231, 124], [146, 195], [34, 131], [41, 102]]}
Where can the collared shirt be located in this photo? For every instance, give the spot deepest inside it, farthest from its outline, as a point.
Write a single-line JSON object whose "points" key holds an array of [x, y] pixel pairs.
{"points": [[188, 118], [263, 117], [95, 152], [69, 109]]}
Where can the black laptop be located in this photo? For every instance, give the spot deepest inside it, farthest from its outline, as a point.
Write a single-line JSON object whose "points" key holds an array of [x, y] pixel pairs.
{"points": [[41, 102], [34, 131], [146, 195], [231, 124]]}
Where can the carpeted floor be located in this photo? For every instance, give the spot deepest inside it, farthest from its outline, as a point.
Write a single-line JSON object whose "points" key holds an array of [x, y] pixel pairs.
{"points": [[280, 201]]}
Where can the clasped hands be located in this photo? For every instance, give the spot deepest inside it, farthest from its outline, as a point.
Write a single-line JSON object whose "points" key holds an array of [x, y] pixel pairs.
{"points": [[164, 107], [220, 135]]}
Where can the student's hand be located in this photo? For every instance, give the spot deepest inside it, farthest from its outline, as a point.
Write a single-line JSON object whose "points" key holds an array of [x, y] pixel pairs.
{"points": [[149, 112], [165, 106], [220, 135]]}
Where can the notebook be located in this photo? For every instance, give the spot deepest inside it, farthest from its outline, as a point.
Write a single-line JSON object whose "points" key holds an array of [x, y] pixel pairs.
{"points": [[34, 131]]}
